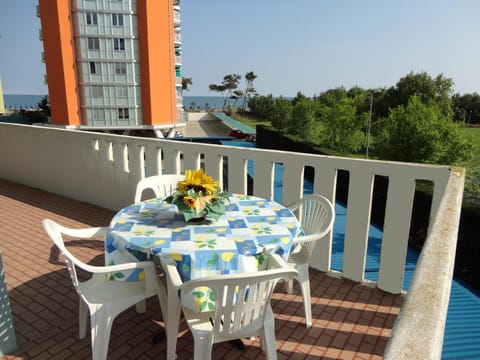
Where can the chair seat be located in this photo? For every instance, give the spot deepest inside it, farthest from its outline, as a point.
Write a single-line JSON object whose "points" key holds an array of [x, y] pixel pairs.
{"points": [[302, 256], [98, 290]]}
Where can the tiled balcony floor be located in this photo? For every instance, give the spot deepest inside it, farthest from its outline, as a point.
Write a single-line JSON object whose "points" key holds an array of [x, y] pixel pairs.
{"points": [[350, 321]]}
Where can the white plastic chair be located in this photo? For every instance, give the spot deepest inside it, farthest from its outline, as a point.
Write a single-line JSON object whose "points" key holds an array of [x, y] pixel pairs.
{"points": [[104, 299], [316, 214], [242, 307], [161, 185]]}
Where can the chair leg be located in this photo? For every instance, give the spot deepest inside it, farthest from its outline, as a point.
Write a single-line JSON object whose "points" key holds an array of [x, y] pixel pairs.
{"points": [[101, 326], [202, 346], [82, 318], [289, 286], [141, 306], [304, 281], [173, 323], [267, 339], [163, 300]]}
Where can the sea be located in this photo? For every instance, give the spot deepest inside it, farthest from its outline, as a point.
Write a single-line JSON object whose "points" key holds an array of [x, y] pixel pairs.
{"points": [[15, 102]]}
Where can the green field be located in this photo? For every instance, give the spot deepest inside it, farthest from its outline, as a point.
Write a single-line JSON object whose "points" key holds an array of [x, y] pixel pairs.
{"points": [[475, 134], [249, 120]]}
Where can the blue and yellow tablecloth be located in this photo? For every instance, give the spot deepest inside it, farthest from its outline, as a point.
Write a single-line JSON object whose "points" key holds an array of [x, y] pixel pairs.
{"points": [[236, 242]]}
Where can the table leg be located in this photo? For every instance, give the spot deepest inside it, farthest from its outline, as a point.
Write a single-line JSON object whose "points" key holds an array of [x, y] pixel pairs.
{"points": [[173, 321]]}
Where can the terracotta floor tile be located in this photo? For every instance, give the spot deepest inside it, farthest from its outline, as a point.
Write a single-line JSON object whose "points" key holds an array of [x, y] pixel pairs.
{"points": [[45, 305]]}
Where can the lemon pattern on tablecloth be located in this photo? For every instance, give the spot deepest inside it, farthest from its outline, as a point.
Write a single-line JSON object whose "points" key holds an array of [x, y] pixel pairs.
{"points": [[250, 227]]}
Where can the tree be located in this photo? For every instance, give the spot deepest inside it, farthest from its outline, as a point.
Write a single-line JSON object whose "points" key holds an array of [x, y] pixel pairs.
{"points": [[303, 118], [422, 133], [44, 105], [428, 90], [186, 82], [299, 97], [249, 89], [280, 114], [226, 87], [343, 126], [237, 94], [332, 96], [466, 108], [261, 106]]}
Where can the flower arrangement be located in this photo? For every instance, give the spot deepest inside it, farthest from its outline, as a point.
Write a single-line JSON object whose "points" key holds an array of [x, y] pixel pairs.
{"points": [[199, 196]]}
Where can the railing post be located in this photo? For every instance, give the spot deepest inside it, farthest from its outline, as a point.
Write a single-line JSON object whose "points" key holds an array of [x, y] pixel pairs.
{"points": [[8, 341]]}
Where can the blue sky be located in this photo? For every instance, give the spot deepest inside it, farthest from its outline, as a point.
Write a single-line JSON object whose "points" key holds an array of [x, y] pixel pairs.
{"points": [[301, 45]]}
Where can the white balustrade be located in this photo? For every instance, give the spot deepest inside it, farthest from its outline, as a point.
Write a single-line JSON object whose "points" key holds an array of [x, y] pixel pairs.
{"points": [[104, 169]]}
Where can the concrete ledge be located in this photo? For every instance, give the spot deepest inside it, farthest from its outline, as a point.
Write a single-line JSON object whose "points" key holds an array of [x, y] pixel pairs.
{"points": [[419, 328]]}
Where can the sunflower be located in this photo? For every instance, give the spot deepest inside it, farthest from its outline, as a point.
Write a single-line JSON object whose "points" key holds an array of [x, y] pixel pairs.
{"points": [[198, 195], [198, 181], [189, 201]]}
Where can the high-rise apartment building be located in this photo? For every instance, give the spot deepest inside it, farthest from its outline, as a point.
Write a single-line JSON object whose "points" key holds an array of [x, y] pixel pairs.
{"points": [[113, 64]]}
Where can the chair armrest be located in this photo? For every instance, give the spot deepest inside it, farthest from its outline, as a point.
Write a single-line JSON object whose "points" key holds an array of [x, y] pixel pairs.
{"points": [[308, 238], [170, 269], [115, 268]]}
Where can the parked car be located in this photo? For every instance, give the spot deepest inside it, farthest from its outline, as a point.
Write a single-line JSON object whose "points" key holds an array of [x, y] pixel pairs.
{"points": [[239, 134]]}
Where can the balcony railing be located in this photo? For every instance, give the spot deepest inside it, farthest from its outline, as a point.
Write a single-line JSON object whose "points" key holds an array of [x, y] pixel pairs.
{"points": [[176, 16], [104, 170], [178, 37]]}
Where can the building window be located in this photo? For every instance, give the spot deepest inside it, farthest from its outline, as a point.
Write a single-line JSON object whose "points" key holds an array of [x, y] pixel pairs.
{"points": [[117, 19], [91, 18], [121, 91], [123, 113], [120, 68], [119, 44], [98, 114], [93, 43], [95, 68], [97, 91]]}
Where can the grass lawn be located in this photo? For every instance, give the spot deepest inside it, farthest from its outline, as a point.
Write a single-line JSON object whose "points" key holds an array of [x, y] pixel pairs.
{"points": [[249, 120], [475, 134]]}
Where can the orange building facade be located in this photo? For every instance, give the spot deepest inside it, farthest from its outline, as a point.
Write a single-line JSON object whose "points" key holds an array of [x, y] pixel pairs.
{"points": [[113, 64]]}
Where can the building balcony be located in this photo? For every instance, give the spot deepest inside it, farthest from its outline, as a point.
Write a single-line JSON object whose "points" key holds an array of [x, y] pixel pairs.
{"points": [[86, 182], [176, 17], [177, 37]]}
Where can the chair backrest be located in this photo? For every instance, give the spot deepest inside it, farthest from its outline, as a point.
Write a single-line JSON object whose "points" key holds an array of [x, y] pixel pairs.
{"points": [[241, 300], [316, 214], [161, 185]]}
